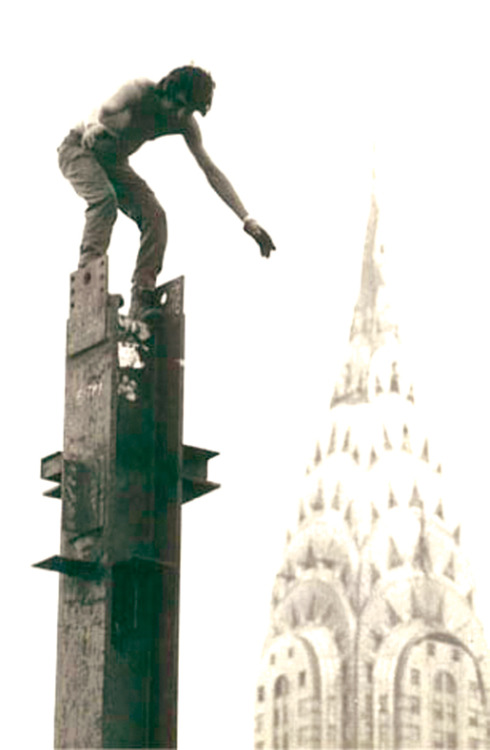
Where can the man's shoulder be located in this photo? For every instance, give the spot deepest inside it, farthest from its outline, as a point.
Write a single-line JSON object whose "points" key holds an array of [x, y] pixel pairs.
{"points": [[138, 86], [143, 83]]}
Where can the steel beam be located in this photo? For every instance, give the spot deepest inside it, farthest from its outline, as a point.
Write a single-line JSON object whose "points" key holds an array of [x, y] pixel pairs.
{"points": [[123, 475]]}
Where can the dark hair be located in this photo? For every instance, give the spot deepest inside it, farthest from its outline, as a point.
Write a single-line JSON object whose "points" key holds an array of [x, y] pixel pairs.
{"points": [[195, 83]]}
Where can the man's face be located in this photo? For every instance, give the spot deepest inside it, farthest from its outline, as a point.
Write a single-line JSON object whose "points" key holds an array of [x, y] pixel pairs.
{"points": [[186, 106], [204, 109]]}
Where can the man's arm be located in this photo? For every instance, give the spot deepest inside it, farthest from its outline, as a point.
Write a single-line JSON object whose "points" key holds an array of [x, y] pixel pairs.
{"points": [[222, 186], [215, 177]]}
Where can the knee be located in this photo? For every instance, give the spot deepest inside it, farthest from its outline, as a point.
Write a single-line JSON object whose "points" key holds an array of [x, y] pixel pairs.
{"points": [[105, 206]]}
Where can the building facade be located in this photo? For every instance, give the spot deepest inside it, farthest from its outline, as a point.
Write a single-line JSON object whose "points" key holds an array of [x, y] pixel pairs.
{"points": [[373, 639]]}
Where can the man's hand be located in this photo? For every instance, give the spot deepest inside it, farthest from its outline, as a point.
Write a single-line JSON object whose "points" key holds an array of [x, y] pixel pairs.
{"points": [[91, 133], [260, 236]]}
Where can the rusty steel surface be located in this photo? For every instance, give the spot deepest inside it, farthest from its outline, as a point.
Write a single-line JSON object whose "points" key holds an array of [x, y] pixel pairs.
{"points": [[89, 439], [82, 631]]}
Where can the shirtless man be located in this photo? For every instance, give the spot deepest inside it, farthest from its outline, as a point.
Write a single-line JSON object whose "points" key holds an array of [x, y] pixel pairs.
{"points": [[94, 158]]}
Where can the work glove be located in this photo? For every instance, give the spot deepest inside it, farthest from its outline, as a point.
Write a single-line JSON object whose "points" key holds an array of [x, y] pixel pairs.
{"points": [[251, 227]]}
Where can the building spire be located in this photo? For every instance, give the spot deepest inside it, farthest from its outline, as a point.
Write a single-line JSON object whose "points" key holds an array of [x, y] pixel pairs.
{"points": [[372, 324]]}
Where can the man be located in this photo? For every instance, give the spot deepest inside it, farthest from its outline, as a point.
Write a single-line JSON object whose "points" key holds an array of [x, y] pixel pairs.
{"points": [[94, 158]]}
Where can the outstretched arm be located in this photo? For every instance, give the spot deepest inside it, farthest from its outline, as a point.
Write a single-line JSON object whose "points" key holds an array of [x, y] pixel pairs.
{"points": [[222, 186], [215, 177]]}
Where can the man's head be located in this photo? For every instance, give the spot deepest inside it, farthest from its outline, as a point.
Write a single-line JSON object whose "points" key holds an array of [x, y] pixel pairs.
{"points": [[192, 85]]}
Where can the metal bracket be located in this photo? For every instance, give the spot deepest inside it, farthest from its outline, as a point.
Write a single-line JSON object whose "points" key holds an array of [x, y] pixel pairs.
{"points": [[88, 306], [195, 471], [194, 474], [52, 470], [90, 571]]}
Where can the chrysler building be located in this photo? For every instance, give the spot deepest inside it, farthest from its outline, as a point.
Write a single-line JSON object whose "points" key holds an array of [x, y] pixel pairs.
{"points": [[373, 639]]}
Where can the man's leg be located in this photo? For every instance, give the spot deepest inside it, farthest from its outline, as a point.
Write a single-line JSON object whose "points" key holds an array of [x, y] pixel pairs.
{"points": [[91, 182], [137, 201]]}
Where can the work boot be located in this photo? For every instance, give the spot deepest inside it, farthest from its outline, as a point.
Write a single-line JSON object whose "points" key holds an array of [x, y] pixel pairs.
{"points": [[144, 304]]}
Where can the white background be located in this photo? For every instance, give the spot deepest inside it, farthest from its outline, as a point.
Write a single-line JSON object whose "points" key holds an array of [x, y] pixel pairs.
{"points": [[303, 92]]}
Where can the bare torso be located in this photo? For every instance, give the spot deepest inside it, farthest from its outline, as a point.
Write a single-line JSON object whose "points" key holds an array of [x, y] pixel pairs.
{"points": [[136, 114]]}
